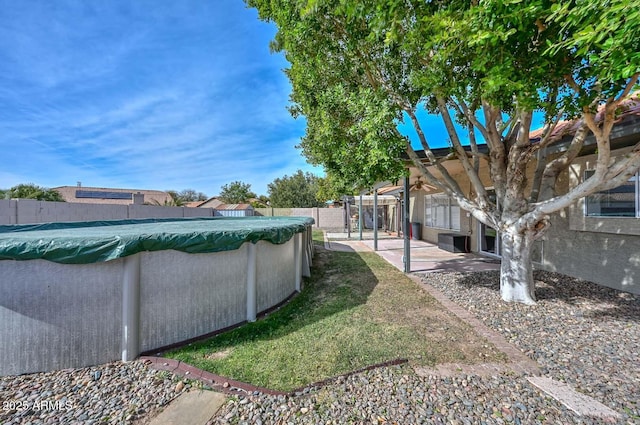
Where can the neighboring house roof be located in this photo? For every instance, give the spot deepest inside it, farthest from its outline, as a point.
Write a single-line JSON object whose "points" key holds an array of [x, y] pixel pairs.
{"points": [[210, 203], [629, 112], [628, 118], [194, 204], [236, 207], [112, 196], [626, 132]]}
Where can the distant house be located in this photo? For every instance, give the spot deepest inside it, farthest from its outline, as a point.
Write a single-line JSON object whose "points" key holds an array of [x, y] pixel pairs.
{"points": [[212, 202], [102, 195], [234, 210], [193, 204]]}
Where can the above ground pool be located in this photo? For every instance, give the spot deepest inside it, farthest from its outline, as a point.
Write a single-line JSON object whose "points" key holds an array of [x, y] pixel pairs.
{"points": [[80, 294]]}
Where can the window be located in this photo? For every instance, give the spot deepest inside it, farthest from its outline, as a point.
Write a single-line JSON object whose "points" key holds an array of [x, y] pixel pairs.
{"points": [[442, 212], [621, 201]]}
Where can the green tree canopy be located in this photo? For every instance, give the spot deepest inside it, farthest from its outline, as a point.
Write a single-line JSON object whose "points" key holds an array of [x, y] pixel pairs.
{"points": [[359, 67], [332, 187], [261, 201], [32, 191], [236, 192], [186, 195], [298, 191]]}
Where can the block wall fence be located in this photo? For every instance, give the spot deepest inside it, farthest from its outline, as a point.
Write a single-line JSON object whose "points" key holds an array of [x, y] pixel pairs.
{"points": [[27, 211]]}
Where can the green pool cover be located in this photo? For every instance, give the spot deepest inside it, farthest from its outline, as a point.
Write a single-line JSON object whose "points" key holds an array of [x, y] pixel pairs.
{"points": [[97, 241]]}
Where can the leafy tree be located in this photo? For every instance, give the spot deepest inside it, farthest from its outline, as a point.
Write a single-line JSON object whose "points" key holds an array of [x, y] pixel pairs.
{"points": [[331, 187], [359, 67], [261, 201], [184, 196], [298, 191], [190, 195], [32, 191], [236, 193]]}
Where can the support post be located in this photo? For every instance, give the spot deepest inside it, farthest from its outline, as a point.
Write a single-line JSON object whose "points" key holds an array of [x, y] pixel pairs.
{"points": [[251, 283], [298, 252], [131, 308], [360, 218], [405, 230], [375, 219], [348, 219], [307, 253]]}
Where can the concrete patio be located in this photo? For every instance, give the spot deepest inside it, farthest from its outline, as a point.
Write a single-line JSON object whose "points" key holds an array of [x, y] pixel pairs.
{"points": [[425, 256]]}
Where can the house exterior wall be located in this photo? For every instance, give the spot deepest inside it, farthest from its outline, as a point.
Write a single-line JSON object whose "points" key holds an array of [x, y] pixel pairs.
{"points": [[604, 250], [137, 196]]}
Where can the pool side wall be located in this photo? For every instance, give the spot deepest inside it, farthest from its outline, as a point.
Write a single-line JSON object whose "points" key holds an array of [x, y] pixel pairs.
{"points": [[56, 316]]}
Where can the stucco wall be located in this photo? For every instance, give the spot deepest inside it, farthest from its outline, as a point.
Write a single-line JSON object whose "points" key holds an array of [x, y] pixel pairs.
{"points": [[603, 250]]}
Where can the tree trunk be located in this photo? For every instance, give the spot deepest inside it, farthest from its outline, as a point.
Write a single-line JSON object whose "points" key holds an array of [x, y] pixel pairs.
{"points": [[516, 270]]}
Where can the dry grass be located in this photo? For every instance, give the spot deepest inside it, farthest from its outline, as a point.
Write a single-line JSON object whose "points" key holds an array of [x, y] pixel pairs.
{"points": [[356, 310]]}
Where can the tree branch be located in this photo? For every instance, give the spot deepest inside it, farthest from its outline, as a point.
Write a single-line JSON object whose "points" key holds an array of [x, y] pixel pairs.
{"points": [[497, 153], [632, 82], [462, 155], [555, 167], [462, 106]]}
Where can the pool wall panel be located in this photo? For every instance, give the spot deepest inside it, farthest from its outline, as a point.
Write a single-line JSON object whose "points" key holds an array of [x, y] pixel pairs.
{"points": [[60, 316], [57, 316], [275, 273], [188, 295]]}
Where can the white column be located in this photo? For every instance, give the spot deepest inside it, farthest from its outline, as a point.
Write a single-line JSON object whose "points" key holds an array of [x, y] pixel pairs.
{"points": [[298, 249], [375, 219], [310, 242], [251, 283], [306, 255], [131, 308]]}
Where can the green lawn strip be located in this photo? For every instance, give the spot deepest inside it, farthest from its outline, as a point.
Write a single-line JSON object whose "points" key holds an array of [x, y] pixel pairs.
{"points": [[356, 310]]}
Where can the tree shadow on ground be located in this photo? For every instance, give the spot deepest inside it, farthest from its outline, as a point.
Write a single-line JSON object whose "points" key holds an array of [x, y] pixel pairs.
{"points": [[327, 292], [592, 299]]}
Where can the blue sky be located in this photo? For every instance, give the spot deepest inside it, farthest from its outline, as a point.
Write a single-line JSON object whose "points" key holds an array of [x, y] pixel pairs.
{"points": [[144, 95]]}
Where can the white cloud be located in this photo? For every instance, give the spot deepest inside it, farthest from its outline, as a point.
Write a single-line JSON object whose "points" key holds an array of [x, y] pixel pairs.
{"points": [[172, 96]]}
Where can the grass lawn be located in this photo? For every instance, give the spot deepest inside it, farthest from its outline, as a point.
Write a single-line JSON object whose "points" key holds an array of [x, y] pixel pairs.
{"points": [[356, 310]]}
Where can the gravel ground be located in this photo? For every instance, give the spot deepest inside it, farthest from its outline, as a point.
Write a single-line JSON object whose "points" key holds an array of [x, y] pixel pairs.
{"points": [[113, 393], [579, 333]]}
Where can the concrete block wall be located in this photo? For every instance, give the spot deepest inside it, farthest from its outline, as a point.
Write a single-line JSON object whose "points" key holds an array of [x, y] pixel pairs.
{"points": [[7, 211], [325, 218], [26, 211], [330, 218], [153, 211]]}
